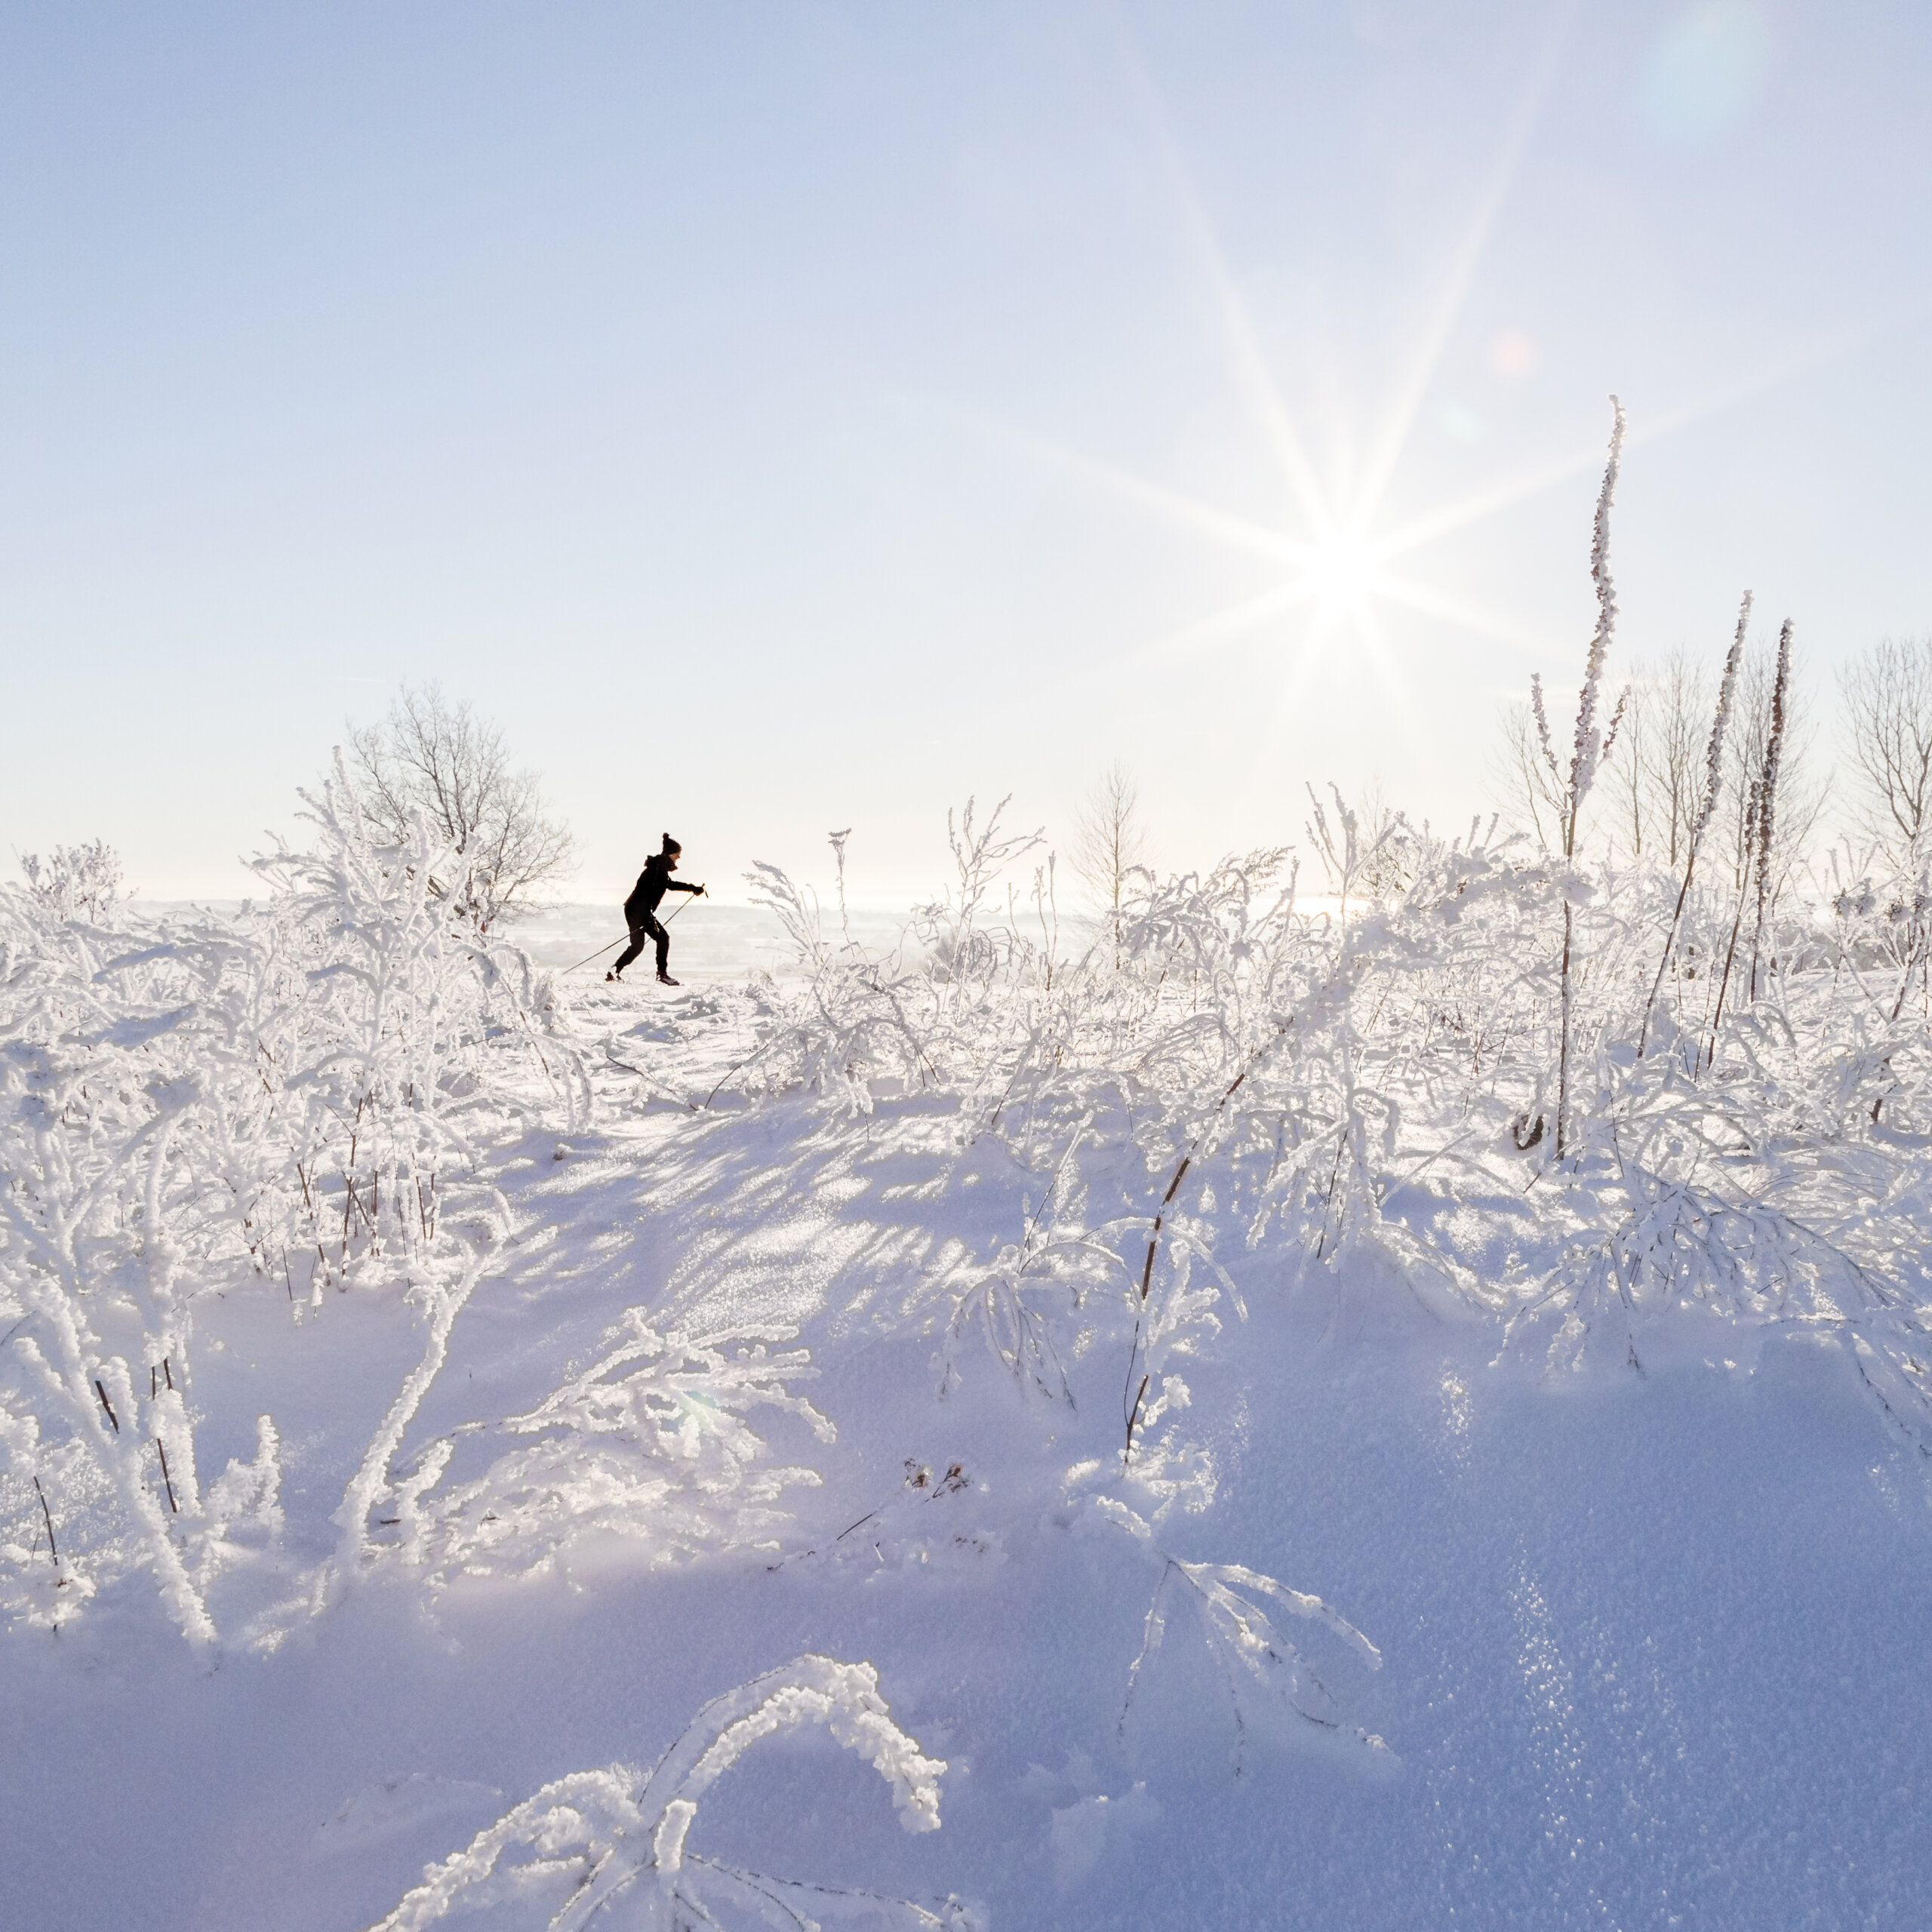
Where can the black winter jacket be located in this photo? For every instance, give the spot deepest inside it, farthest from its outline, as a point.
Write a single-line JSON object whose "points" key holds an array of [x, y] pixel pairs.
{"points": [[652, 884]]}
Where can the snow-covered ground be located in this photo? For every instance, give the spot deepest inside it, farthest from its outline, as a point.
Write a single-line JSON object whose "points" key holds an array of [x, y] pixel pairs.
{"points": [[1394, 1617]]}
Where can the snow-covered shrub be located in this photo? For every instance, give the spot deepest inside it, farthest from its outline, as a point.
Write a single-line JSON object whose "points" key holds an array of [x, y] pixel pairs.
{"points": [[853, 1023], [75, 882], [648, 1446], [996, 1298], [966, 948], [1245, 1645], [1385, 1084], [1757, 1186], [403, 1008], [611, 1838], [300, 1096], [130, 1117]]}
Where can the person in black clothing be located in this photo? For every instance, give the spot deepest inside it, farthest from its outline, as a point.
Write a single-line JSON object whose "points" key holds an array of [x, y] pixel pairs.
{"points": [[641, 910]]}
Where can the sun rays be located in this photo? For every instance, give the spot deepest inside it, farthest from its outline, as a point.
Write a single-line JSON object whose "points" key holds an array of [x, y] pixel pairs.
{"points": [[1337, 566], [1337, 572]]}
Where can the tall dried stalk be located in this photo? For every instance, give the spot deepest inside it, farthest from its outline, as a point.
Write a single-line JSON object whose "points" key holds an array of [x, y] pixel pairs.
{"points": [[1737, 917], [1760, 823], [1713, 782], [1768, 802], [1587, 753]]}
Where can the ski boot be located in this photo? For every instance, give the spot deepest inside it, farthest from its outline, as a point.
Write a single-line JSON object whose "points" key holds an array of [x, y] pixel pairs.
{"points": [[665, 979]]}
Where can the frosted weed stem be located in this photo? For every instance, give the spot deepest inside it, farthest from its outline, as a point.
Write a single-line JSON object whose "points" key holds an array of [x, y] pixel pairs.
{"points": [[1586, 754], [1713, 782]]}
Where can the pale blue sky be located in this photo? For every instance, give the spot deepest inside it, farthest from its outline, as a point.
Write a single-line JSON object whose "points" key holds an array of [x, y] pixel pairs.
{"points": [[786, 416]]}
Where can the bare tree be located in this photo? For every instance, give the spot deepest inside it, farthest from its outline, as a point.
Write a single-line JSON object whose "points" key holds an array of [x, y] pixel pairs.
{"points": [[1629, 774], [437, 756], [1656, 778], [1887, 698], [1108, 838], [1680, 700]]}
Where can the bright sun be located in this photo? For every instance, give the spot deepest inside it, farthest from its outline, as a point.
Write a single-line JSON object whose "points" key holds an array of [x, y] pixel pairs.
{"points": [[1334, 559], [1340, 571]]}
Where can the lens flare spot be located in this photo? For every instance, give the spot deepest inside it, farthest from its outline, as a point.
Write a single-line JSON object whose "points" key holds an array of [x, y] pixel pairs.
{"points": [[1513, 353]]}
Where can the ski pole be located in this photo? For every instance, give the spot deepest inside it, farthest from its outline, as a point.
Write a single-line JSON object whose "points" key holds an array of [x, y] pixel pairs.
{"points": [[597, 954]]}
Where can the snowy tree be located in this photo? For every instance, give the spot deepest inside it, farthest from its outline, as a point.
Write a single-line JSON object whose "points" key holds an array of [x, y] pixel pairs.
{"points": [[1109, 840], [435, 756]]}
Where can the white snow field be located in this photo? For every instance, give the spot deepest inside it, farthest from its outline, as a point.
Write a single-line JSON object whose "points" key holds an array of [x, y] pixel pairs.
{"points": [[1014, 1433]]}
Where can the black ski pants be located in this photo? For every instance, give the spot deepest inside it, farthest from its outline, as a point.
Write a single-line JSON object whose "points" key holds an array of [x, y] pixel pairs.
{"points": [[645, 926]]}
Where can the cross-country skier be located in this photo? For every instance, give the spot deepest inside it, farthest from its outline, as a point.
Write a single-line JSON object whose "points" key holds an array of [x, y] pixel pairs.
{"points": [[641, 910]]}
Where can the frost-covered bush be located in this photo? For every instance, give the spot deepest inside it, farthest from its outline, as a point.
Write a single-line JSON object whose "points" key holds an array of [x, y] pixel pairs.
{"points": [[648, 1446], [406, 1019], [296, 1096], [1385, 1084], [1239, 1634], [998, 1300], [75, 882], [611, 1846]]}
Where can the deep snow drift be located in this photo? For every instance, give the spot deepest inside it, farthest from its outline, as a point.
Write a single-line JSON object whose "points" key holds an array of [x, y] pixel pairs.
{"points": [[1140, 1419]]}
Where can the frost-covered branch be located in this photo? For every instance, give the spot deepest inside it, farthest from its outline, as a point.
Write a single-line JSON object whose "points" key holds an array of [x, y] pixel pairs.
{"points": [[598, 1836]]}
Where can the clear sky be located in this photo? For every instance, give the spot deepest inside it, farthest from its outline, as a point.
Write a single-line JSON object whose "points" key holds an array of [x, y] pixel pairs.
{"points": [[785, 416]]}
